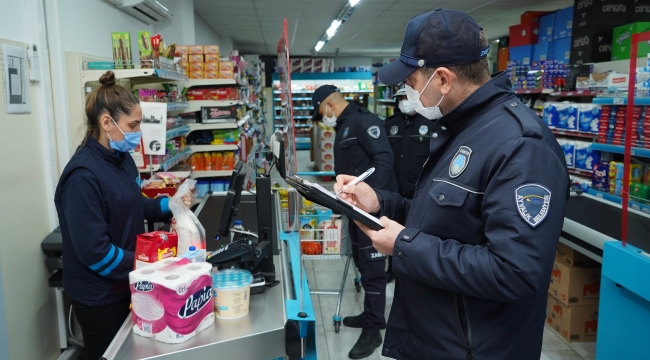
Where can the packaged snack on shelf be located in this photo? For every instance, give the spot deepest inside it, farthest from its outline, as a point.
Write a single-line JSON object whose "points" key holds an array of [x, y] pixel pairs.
{"points": [[197, 67], [636, 172], [646, 175], [146, 52], [207, 161], [219, 114], [182, 50], [200, 94], [122, 50], [211, 66], [212, 58], [600, 177], [229, 160], [211, 49], [154, 246], [226, 94], [226, 74], [222, 137], [227, 66], [639, 192], [196, 59], [195, 50], [212, 75], [197, 75]]}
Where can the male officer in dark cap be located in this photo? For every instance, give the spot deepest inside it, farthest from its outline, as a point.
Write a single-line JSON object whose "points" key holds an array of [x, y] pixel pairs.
{"points": [[473, 250], [408, 134], [359, 145]]}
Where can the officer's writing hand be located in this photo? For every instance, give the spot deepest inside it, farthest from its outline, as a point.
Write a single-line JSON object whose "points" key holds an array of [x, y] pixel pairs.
{"points": [[360, 195], [383, 240]]}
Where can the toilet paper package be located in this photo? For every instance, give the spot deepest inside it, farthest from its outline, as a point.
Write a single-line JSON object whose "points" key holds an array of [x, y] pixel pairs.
{"points": [[567, 115], [550, 114], [172, 300], [585, 158], [568, 147], [589, 117]]}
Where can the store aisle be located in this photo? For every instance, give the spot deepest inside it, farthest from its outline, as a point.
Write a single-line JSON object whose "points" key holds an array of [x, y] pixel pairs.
{"points": [[327, 275]]}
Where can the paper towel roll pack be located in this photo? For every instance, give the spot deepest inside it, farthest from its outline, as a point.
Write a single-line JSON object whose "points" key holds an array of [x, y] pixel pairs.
{"points": [[172, 300]]}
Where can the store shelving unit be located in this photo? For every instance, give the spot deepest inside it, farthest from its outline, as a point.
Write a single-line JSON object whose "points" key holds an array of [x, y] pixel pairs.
{"points": [[210, 174], [620, 149], [177, 131], [620, 101], [618, 200], [141, 76], [196, 105], [350, 84], [575, 134], [220, 126], [203, 148]]}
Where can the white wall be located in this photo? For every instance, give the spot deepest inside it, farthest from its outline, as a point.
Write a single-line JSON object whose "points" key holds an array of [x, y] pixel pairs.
{"points": [[181, 29], [225, 46], [27, 313], [204, 33]]}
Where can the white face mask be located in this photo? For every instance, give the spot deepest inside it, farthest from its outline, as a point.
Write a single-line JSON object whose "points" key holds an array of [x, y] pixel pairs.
{"points": [[432, 112], [329, 120], [406, 107]]}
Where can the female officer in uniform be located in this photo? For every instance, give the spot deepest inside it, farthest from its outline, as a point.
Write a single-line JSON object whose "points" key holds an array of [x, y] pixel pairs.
{"points": [[101, 210]]}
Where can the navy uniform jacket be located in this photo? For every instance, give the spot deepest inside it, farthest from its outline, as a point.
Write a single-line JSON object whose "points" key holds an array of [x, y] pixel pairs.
{"points": [[409, 140], [474, 261], [101, 211], [360, 144]]}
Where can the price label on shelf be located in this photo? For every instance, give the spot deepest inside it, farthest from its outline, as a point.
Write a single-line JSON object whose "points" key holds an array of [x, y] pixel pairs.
{"points": [[527, 92], [570, 93], [619, 101]]}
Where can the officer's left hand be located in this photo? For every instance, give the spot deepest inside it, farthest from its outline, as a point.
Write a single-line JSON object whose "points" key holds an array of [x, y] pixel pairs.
{"points": [[383, 240], [188, 197]]}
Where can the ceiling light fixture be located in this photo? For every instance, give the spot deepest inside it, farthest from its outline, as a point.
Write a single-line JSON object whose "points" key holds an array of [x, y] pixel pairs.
{"points": [[343, 16]]}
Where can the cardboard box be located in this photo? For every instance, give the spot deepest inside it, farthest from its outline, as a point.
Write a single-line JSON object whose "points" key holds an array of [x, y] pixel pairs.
{"points": [[182, 50], [195, 50], [524, 34], [211, 49], [622, 39], [590, 45], [212, 66], [611, 81], [212, 58], [502, 59], [219, 114], [197, 74], [588, 13], [226, 66], [639, 12], [226, 74], [562, 50], [575, 286], [546, 24], [573, 258], [212, 75], [563, 25], [543, 51], [196, 58], [197, 67], [522, 54], [532, 16], [573, 323]]}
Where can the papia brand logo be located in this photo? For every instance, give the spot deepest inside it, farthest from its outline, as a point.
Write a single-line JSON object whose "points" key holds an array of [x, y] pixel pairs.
{"points": [[556, 274], [143, 257], [605, 48], [591, 325], [557, 311], [195, 302], [591, 288], [581, 41], [624, 36], [642, 9], [143, 286], [166, 253], [615, 8], [583, 4]]}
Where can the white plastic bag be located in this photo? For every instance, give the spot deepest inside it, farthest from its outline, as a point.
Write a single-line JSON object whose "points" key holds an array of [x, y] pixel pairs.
{"points": [[185, 224]]}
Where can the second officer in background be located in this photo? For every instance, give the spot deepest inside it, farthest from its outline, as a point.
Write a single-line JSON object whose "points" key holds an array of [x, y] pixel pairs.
{"points": [[408, 134], [360, 144]]}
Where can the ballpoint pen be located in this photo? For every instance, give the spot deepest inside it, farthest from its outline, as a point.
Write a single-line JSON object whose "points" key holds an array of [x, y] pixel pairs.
{"points": [[359, 179]]}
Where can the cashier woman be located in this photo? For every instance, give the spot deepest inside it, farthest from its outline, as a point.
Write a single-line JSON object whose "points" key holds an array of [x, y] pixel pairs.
{"points": [[101, 210]]}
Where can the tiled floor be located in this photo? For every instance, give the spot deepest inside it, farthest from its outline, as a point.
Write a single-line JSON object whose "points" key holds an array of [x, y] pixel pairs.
{"points": [[327, 275]]}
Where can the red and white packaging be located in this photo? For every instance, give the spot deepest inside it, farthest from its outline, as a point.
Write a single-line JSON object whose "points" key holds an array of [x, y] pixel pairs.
{"points": [[154, 246]]}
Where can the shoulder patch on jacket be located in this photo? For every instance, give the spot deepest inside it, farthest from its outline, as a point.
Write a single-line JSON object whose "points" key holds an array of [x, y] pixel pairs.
{"points": [[529, 127]]}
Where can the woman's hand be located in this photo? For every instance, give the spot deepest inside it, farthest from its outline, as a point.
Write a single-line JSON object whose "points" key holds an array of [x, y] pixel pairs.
{"points": [[360, 195], [188, 197]]}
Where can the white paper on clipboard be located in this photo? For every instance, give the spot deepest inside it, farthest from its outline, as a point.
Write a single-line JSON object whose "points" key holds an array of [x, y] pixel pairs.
{"points": [[330, 194]]}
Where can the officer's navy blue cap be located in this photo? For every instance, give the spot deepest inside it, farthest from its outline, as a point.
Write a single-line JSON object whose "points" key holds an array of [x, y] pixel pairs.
{"points": [[319, 96], [434, 39]]}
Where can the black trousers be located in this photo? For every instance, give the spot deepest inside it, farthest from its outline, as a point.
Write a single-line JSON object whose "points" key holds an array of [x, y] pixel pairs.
{"points": [[99, 325], [371, 265]]}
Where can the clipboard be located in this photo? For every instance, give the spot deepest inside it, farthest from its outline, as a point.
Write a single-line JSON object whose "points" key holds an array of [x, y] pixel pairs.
{"points": [[319, 195]]}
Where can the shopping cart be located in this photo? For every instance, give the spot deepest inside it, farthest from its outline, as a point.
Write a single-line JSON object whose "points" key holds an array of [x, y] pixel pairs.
{"points": [[328, 241]]}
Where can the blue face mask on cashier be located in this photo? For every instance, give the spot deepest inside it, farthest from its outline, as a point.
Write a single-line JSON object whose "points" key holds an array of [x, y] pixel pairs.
{"points": [[130, 141]]}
